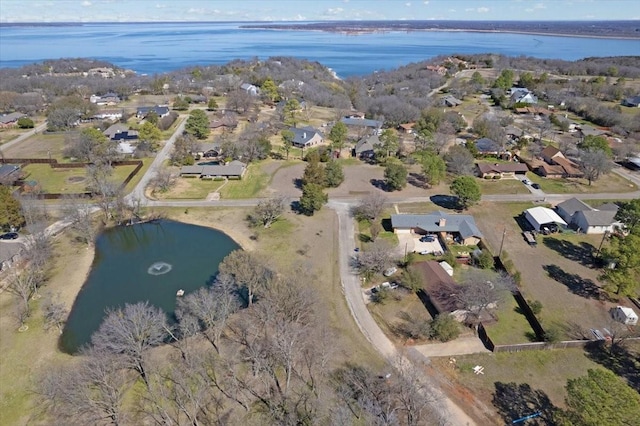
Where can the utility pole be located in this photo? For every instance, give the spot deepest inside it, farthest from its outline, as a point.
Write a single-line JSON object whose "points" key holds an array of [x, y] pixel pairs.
{"points": [[504, 234]]}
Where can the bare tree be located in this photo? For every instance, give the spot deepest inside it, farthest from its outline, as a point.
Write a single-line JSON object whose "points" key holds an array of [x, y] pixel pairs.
{"points": [[54, 313], [131, 332], [180, 394], [163, 180], [375, 258], [211, 308], [247, 272], [483, 289], [23, 285], [459, 161], [89, 392], [594, 162], [268, 211], [370, 207], [79, 211]]}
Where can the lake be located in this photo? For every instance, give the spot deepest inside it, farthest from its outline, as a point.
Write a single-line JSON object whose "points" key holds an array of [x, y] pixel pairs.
{"points": [[151, 48], [149, 261]]}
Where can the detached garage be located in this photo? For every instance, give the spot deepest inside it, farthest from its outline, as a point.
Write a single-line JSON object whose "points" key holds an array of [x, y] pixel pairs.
{"points": [[539, 216]]}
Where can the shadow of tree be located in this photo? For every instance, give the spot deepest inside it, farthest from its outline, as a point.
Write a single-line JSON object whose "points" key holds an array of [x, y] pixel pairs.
{"points": [[515, 401], [449, 202], [417, 180], [619, 359], [297, 182], [380, 184], [574, 282], [581, 253]]}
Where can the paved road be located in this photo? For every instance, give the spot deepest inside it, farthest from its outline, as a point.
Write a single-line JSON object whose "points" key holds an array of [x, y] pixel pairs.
{"points": [[367, 325], [161, 157], [38, 129]]}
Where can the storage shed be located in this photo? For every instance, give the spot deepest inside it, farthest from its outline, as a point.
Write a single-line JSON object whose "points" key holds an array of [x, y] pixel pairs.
{"points": [[625, 315]]}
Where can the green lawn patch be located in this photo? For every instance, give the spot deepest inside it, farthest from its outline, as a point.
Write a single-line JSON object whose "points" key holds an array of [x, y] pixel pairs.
{"points": [[512, 327], [67, 181], [42, 145], [191, 189], [249, 186], [501, 186], [607, 183]]}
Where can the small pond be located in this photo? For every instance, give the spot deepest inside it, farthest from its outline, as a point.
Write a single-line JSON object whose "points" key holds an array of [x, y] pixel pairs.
{"points": [[149, 261]]}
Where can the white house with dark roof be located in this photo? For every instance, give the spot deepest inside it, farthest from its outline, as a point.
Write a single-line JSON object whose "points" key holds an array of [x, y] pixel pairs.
{"points": [[588, 219], [305, 137], [250, 89], [522, 96], [460, 227], [161, 111]]}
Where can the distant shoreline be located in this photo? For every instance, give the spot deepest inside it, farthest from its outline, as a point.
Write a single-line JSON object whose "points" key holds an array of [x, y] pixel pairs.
{"points": [[356, 32]]}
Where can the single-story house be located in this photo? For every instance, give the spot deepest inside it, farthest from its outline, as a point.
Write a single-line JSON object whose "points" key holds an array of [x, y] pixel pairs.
{"points": [[406, 128], [504, 170], [557, 165], [451, 101], [119, 132], [365, 148], [234, 169], [10, 120], [438, 287], [588, 219], [250, 89], [208, 150], [161, 111], [305, 137], [522, 95], [108, 114], [540, 216], [362, 122], [459, 227], [633, 101], [106, 99], [488, 146]]}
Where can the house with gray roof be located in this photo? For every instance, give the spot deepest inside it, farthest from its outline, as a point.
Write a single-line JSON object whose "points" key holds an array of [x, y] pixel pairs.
{"points": [[10, 120], [305, 137], [362, 122], [522, 96], [587, 219], [235, 169], [461, 228], [119, 132], [633, 101], [365, 148], [161, 111], [9, 173]]}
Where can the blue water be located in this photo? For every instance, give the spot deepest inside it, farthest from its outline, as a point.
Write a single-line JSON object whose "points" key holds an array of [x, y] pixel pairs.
{"points": [[123, 271], [160, 47]]}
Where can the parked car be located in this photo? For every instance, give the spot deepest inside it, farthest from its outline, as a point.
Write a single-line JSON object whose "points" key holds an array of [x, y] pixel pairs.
{"points": [[428, 238], [526, 181], [535, 185], [9, 236], [390, 271]]}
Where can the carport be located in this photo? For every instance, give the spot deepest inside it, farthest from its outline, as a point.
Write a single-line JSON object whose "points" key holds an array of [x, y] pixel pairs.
{"points": [[539, 216]]}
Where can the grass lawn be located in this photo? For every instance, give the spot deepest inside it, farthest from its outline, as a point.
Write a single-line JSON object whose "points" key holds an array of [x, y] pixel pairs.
{"points": [[388, 313], [249, 186], [512, 327], [546, 371], [38, 146], [364, 232], [501, 186], [67, 181], [190, 189], [607, 183]]}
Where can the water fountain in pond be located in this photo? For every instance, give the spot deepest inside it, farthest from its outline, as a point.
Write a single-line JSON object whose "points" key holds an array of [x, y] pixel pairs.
{"points": [[159, 268]]}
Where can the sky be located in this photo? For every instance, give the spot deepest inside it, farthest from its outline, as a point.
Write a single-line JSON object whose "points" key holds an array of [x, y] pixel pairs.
{"points": [[313, 10]]}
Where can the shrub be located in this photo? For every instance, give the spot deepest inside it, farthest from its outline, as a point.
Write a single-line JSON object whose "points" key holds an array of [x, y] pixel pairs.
{"points": [[552, 334], [444, 328], [535, 305]]}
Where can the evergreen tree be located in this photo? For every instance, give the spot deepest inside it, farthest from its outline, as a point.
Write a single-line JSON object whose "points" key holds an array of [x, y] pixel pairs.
{"points": [[395, 175], [467, 190], [198, 124], [334, 175], [313, 198], [314, 172]]}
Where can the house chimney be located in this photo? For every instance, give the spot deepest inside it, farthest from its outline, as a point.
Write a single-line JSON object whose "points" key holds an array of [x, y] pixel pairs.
{"points": [[442, 222]]}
